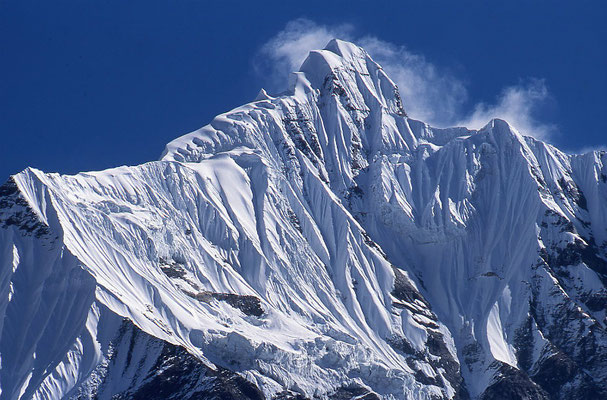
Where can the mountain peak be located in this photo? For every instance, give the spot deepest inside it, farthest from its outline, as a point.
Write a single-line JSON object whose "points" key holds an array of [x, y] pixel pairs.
{"points": [[347, 69], [342, 47], [319, 243], [338, 54]]}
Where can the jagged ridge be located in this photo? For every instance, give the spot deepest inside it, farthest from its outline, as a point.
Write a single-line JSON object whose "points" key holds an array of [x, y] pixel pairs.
{"points": [[318, 243]]}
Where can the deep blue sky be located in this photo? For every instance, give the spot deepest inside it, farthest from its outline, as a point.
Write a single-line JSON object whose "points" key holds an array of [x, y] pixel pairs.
{"points": [[88, 85]]}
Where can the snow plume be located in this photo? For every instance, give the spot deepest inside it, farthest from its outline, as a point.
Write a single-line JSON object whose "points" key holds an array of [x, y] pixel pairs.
{"points": [[285, 52], [588, 149], [517, 105], [430, 93]]}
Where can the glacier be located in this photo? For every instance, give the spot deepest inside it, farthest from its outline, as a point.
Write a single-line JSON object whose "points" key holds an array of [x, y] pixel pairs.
{"points": [[314, 244]]}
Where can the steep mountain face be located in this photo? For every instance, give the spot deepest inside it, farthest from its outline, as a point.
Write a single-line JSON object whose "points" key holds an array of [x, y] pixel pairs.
{"points": [[318, 244]]}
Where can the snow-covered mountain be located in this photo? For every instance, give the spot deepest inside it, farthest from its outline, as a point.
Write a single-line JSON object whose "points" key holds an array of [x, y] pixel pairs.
{"points": [[317, 244]]}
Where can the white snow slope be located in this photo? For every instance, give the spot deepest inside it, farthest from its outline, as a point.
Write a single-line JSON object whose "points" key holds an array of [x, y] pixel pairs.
{"points": [[319, 243]]}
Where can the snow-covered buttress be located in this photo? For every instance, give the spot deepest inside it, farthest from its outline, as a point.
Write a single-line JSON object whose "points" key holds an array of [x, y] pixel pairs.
{"points": [[317, 244]]}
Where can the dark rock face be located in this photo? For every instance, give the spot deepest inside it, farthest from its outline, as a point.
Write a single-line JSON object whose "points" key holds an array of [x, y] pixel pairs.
{"points": [[596, 301], [173, 270], [436, 352], [512, 384], [572, 365], [179, 371], [404, 290], [352, 393], [15, 211], [250, 305], [164, 371], [289, 395], [563, 379]]}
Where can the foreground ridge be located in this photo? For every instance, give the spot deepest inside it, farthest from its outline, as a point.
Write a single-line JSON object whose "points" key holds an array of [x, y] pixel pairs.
{"points": [[316, 244]]}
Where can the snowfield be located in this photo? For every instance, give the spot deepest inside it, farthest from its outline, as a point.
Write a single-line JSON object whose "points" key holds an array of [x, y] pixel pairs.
{"points": [[316, 244]]}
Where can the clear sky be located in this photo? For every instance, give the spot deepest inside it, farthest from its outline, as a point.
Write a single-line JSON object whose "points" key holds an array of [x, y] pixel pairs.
{"points": [[87, 85]]}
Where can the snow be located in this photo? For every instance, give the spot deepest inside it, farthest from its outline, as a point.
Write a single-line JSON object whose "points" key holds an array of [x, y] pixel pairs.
{"points": [[498, 345], [306, 201]]}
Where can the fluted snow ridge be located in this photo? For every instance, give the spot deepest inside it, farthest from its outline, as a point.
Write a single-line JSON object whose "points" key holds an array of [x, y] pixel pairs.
{"points": [[317, 243]]}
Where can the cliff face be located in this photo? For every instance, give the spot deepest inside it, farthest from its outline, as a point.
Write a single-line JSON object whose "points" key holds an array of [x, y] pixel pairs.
{"points": [[316, 244]]}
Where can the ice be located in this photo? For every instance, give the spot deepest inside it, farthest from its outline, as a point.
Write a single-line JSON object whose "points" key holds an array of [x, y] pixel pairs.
{"points": [[314, 205]]}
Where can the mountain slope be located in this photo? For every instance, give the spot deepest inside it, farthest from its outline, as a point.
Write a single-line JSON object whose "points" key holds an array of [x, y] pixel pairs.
{"points": [[315, 244]]}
